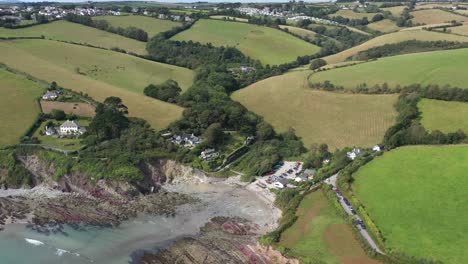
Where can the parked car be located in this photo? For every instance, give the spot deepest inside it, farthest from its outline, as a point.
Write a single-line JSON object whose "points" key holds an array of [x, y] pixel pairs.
{"points": [[346, 201], [353, 211]]}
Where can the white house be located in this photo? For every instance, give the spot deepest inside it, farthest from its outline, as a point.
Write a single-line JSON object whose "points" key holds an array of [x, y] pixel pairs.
{"points": [[71, 128], [354, 153], [186, 140], [209, 154], [378, 148], [50, 95]]}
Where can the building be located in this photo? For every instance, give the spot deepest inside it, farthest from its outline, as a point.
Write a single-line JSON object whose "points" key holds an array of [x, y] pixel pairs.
{"points": [[281, 183], [71, 128], [378, 148], [209, 154], [186, 140], [309, 173], [50, 131], [354, 153], [50, 95]]}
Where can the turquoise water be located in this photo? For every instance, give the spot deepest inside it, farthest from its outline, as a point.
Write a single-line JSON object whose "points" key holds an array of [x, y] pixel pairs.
{"points": [[115, 245]]}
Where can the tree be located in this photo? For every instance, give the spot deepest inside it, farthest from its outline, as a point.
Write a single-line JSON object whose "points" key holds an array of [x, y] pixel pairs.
{"points": [[167, 91], [110, 119], [58, 114], [53, 86], [317, 63], [264, 131], [214, 135], [377, 18]]}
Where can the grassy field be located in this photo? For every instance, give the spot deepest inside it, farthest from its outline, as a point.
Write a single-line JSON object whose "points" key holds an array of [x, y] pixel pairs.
{"points": [[384, 26], [300, 31], [437, 67], [394, 38], [320, 234], [99, 73], [18, 106], [462, 30], [353, 15], [75, 108], [417, 198], [151, 25], [319, 117], [396, 10], [230, 18], [270, 46], [444, 116], [435, 16], [67, 31]]}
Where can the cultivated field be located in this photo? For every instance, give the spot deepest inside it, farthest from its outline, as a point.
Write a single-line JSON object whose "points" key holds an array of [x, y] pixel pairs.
{"points": [[385, 26], [319, 117], [353, 15], [396, 10], [270, 46], [436, 67], [320, 234], [462, 30], [151, 25], [79, 109], [99, 73], [300, 31], [417, 198], [394, 38], [18, 106], [67, 31], [230, 18], [444, 116], [435, 16]]}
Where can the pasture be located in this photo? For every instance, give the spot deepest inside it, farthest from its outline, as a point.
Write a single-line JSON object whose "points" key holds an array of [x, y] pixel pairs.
{"points": [[151, 25], [98, 73], [461, 30], [308, 34], [385, 26], [392, 38], [348, 13], [444, 116], [337, 119], [72, 32], [18, 106], [74, 108], [437, 67], [320, 234], [396, 11], [435, 16], [270, 46], [417, 198]]}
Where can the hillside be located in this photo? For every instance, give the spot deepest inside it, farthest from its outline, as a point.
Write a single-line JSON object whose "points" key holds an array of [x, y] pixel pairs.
{"points": [[353, 15], [99, 73], [436, 67], [416, 197], [444, 116], [319, 117], [391, 38], [72, 32], [385, 26], [151, 25], [435, 16], [270, 46]]}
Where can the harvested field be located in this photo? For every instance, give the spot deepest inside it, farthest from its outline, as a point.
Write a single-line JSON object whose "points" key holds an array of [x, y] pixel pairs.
{"points": [[384, 26], [353, 15], [461, 30], [79, 109], [435, 16], [396, 10]]}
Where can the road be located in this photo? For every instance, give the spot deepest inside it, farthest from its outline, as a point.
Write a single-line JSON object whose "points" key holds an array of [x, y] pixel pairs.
{"points": [[332, 181]]}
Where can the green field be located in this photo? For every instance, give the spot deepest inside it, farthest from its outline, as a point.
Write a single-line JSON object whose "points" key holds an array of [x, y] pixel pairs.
{"points": [[436, 67], [417, 198], [353, 15], [270, 46], [320, 234], [444, 116], [337, 119], [18, 106], [67, 31], [151, 25], [435, 16], [392, 38], [99, 73], [385, 25]]}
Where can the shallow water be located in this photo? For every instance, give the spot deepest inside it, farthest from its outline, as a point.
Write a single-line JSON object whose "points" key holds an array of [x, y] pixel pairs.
{"points": [[115, 245]]}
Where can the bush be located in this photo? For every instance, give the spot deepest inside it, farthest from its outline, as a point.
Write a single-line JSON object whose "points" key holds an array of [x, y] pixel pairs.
{"points": [[167, 91], [317, 63]]}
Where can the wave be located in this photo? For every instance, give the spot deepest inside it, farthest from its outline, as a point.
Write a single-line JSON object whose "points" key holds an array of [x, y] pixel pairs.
{"points": [[34, 242]]}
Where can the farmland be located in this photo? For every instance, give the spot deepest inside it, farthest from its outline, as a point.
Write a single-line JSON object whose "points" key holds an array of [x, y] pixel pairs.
{"points": [[391, 38], [353, 15], [435, 16], [396, 10], [319, 117], [75, 108], [151, 25], [444, 116], [72, 32], [230, 18], [99, 73], [321, 234], [270, 46], [19, 106], [300, 32], [437, 67], [417, 198], [385, 26], [462, 30]]}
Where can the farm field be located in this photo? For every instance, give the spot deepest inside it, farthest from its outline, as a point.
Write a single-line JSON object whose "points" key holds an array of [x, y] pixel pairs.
{"points": [[20, 94], [270, 46], [337, 119], [392, 38], [417, 198], [462, 30], [396, 10], [72, 32], [151, 25], [435, 16], [353, 15], [76, 108], [444, 116], [300, 31], [385, 26], [436, 67], [99, 73], [321, 234], [230, 18]]}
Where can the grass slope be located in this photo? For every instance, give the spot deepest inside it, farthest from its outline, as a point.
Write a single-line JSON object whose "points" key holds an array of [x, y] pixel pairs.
{"points": [[437, 67], [67, 31], [435, 16], [462, 30], [319, 117], [321, 234], [385, 25], [151, 25], [444, 116], [391, 38], [395, 10], [300, 31], [18, 106], [417, 197], [99, 73], [270, 46], [353, 15], [230, 18]]}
